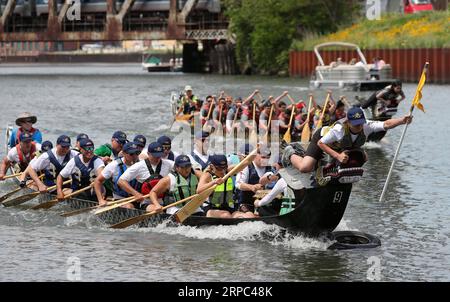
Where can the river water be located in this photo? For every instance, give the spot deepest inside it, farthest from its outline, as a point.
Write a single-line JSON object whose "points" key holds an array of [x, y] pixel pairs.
{"points": [[413, 223]]}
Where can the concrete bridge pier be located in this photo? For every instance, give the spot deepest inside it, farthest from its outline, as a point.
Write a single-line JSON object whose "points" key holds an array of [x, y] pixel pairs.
{"points": [[209, 58]]}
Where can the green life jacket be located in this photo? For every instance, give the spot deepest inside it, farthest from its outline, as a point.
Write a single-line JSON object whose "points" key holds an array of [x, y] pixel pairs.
{"points": [[223, 195], [184, 188]]}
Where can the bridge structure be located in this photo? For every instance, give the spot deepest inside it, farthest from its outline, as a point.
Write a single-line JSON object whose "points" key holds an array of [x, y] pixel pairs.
{"points": [[111, 20]]}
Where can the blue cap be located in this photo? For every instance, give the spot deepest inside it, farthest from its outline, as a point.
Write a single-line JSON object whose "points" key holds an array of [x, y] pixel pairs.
{"points": [[25, 137], [201, 134], [81, 136], [140, 140], [46, 146], [218, 160], [121, 137], [246, 149], [183, 161], [355, 116], [86, 143], [131, 148], [156, 149], [63, 140], [164, 140]]}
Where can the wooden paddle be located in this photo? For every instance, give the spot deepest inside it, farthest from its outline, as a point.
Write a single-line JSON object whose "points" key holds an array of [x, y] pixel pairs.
{"points": [[24, 198], [6, 196], [206, 126], [51, 203], [287, 136], [134, 220], [268, 123], [319, 123], [88, 209], [198, 199], [253, 137], [119, 204], [12, 175], [306, 132]]}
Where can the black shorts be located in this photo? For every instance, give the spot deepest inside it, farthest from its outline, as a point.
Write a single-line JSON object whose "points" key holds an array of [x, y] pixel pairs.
{"points": [[313, 149]]}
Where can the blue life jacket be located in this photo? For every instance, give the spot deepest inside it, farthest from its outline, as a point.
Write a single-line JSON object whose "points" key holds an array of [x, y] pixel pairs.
{"points": [[55, 167], [171, 156], [200, 161], [253, 179], [84, 179], [116, 188]]}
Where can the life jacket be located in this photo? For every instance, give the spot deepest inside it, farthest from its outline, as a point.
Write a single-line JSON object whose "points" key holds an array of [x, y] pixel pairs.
{"points": [[23, 159], [200, 161], [184, 188], [222, 197], [346, 142], [253, 178], [171, 156], [83, 176], [326, 117], [54, 168], [186, 103], [19, 132], [155, 177], [116, 188]]}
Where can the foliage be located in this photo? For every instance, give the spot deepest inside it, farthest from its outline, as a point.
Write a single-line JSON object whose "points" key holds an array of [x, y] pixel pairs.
{"points": [[265, 29], [427, 29]]}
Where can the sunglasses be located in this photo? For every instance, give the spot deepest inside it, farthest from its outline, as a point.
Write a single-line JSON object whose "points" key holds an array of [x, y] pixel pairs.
{"points": [[167, 147], [28, 121], [88, 149]]}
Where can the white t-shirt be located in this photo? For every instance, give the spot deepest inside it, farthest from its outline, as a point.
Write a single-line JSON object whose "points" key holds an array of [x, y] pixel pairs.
{"points": [[112, 169], [242, 176], [139, 171], [196, 165], [337, 132], [43, 162], [71, 168], [13, 156]]}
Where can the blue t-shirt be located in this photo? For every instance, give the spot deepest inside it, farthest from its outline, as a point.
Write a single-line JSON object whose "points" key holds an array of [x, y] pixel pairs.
{"points": [[37, 137]]}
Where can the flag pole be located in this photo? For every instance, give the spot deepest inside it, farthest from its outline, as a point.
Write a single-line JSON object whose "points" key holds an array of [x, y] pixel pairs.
{"points": [[414, 103]]}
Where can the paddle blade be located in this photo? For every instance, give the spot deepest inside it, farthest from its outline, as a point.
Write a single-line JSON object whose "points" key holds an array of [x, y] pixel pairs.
{"points": [[46, 205], [126, 223], [6, 196], [19, 200], [319, 125], [306, 134], [287, 137], [192, 206], [77, 212]]}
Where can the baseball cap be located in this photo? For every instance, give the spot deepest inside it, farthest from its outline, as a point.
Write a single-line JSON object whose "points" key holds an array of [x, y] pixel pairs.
{"points": [[201, 134], [47, 145], [156, 149], [183, 161], [63, 141], [121, 137], [218, 160], [264, 151], [131, 148], [81, 136], [355, 116], [164, 140], [187, 87], [140, 140], [25, 137], [87, 144]]}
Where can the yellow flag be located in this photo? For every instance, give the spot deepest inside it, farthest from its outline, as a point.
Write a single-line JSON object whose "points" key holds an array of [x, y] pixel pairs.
{"points": [[416, 101]]}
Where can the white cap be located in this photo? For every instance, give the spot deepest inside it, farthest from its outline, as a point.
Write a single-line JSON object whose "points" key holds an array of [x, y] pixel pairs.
{"points": [[187, 88]]}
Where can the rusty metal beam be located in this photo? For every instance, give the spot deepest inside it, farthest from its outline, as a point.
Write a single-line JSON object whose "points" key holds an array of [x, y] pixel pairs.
{"points": [[63, 11], [9, 9], [126, 7], [53, 26], [190, 4]]}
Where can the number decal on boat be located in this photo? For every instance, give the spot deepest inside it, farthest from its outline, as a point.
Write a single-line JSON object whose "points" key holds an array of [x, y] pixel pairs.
{"points": [[338, 196]]}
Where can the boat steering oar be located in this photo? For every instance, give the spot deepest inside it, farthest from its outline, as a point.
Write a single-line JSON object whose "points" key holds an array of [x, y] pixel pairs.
{"points": [[24, 198], [190, 208], [134, 220], [51, 203]]}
